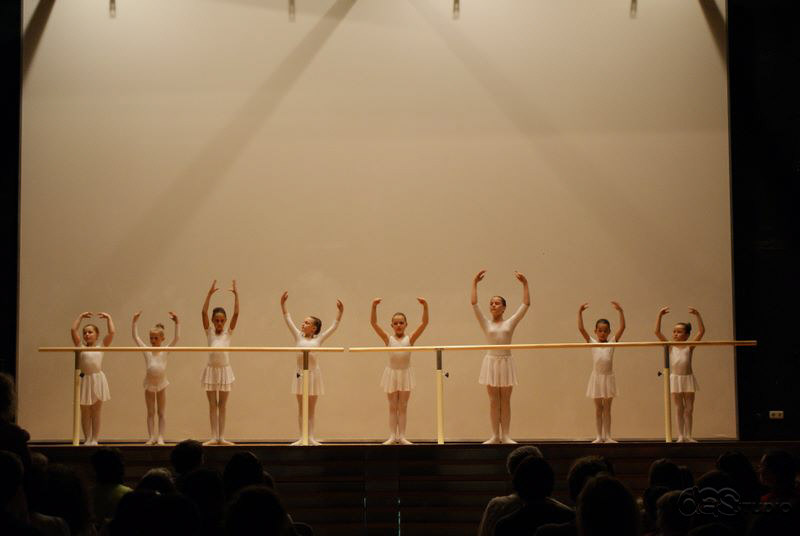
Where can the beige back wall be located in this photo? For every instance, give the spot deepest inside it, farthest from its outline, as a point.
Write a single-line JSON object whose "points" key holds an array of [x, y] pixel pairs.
{"points": [[375, 148]]}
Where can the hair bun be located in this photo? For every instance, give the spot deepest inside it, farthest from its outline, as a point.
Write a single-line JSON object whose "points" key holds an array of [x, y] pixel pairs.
{"points": [[160, 325]]}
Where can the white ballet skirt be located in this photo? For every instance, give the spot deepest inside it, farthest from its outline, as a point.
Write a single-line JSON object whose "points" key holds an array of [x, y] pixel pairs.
{"points": [[155, 379], [94, 386], [497, 368], [316, 386], [683, 383], [218, 374], [498, 371], [397, 376], [602, 382]]}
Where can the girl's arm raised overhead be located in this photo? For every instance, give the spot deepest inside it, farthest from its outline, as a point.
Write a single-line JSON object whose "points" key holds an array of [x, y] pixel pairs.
{"points": [[111, 331], [621, 328], [373, 320], [701, 328], [328, 332], [135, 330], [76, 326], [288, 318], [581, 327], [475, 281], [661, 312], [423, 324], [526, 300], [175, 338], [212, 290], [235, 317]]}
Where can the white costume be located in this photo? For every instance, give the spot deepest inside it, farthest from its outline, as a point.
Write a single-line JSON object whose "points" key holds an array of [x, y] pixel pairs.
{"points": [[681, 377], [315, 385], [397, 376], [602, 382], [155, 378], [497, 369], [94, 386], [218, 374]]}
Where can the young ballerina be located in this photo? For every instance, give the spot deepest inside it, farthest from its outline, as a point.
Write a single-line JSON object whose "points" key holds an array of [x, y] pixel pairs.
{"points": [[308, 336], [682, 383], [602, 383], [94, 386], [218, 374], [497, 370], [398, 379], [155, 379]]}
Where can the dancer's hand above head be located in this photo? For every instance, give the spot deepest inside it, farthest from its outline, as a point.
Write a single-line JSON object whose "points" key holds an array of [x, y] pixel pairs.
{"points": [[213, 288], [479, 276], [616, 305], [521, 277], [583, 307]]}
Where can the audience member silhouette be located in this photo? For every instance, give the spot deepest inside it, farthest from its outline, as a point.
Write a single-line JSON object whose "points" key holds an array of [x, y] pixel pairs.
{"points": [[157, 479], [606, 507], [109, 472], [257, 511]]}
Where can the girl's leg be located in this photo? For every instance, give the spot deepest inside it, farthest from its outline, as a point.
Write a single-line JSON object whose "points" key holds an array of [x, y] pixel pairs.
{"points": [[402, 416], [505, 414], [96, 411], [86, 423], [598, 419], [677, 400], [494, 414], [161, 400], [213, 418], [312, 408], [299, 420], [393, 399], [150, 403], [688, 404], [607, 420], [222, 405]]}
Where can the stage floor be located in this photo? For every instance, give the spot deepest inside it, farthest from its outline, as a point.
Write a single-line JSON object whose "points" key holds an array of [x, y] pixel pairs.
{"points": [[425, 488]]}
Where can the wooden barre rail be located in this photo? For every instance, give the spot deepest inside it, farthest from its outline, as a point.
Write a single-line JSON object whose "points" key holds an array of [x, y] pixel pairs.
{"points": [[361, 349], [186, 349], [545, 346]]}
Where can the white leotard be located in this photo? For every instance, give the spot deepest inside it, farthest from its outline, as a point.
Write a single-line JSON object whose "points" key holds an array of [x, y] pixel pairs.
{"points": [[680, 359], [399, 360], [155, 377], [499, 332], [91, 361], [603, 357], [218, 359]]}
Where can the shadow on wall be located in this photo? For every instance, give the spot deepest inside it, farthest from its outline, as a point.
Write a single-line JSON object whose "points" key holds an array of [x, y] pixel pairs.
{"points": [[718, 27], [32, 34], [220, 152], [564, 159]]}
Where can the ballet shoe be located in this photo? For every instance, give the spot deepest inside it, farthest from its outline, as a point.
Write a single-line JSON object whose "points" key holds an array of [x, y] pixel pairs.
{"points": [[609, 440], [297, 443], [150, 441], [404, 441], [211, 442], [598, 440], [160, 441], [492, 441], [92, 443], [314, 442], [224, 442], [691, 440], [508, 441], [390, 441], [680, 440]]}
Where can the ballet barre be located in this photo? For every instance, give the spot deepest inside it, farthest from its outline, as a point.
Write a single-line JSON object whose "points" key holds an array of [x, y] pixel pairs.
{"points": [[76, 392], [368, 349], [550, 346]]}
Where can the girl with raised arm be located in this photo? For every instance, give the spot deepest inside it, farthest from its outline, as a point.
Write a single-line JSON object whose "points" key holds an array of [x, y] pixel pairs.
{"points": [[398, 379], [218, 374], [602, 383], [155, 378], [682, 383], [497, 370], [310, 335], [94, 386]]}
